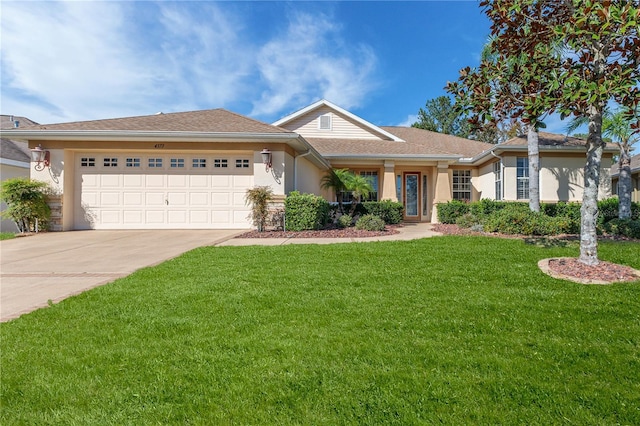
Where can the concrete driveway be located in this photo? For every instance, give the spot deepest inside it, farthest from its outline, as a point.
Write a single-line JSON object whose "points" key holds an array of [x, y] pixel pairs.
{"points": [[53, 266]]}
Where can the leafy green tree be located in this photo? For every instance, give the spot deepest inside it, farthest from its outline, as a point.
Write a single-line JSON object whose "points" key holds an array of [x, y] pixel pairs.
{"points": [[440, 115], [602, 49], [26, 203], [507, 86], [616, 126]]}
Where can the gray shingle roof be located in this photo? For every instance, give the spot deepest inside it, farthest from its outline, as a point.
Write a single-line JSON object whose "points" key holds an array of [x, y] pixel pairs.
{"points": [[417, 142], [12, 149], [635, 166], [208, 121]]}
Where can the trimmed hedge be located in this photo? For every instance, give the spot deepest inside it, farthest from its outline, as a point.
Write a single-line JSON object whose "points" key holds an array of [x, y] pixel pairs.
{"points": [[450, 211], [305, 212], [387, 210], [623, 227], [345, 221], [518, 221]]}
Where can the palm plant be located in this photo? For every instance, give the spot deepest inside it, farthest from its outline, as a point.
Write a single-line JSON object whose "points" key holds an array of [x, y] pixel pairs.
{"points": [[616, 125], [335, 180]]}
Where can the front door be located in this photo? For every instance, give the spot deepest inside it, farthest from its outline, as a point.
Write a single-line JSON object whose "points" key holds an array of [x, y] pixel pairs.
{"points": [[412, 196]]}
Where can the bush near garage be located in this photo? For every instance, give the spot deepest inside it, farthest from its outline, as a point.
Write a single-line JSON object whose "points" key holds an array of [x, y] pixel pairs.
{"points": [[305, 212]]}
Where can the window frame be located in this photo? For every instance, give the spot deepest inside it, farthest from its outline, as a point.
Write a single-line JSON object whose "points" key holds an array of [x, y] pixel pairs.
{"points": [[461, 184], [522, 178]]}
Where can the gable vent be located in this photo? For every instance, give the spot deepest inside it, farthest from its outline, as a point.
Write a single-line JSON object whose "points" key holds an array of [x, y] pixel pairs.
{"points": [[325, 122]]}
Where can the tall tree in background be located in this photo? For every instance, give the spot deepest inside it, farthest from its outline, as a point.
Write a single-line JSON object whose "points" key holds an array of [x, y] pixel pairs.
{"points": [[603, 45], [509, 86], [439, 115], [616, 125]]}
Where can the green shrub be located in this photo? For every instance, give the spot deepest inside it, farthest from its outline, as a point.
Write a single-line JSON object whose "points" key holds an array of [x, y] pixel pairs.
{"points": [[370, 222], [451, 210], [623, 227], [387, 210], [570, 211], [305, 211], [345, 221], [485, 207], [525, 222], [468, 220], [26, 203]]}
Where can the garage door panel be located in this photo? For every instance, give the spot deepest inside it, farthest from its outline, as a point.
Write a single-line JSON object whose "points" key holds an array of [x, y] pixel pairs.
{"points": [[133, 181], [177, 181], [159, 196], [220, 199], [110, 198], [154, 217], [198, 216], [109, 181], [133, 199], [221, 181], [155, 181], [198, 199], [133, 217], [154, 198], [199, 181]]}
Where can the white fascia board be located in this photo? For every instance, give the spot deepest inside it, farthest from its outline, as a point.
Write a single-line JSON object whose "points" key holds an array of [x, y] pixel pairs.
{"points": [[403, 157], [15, 163], [342, 111]]}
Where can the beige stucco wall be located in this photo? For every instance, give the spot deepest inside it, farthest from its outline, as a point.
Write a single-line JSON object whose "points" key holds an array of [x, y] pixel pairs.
{"points": [[9, 172], [274, 177], [307, 177], [484, 183], [561, 177]]}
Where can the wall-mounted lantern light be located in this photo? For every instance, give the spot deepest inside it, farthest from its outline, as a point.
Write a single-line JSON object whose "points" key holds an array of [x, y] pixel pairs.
{"points": [[266, 158], [40, 157]]}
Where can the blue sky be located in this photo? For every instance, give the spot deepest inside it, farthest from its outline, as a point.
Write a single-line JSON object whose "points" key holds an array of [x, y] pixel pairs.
{"points": [[68, 61]]}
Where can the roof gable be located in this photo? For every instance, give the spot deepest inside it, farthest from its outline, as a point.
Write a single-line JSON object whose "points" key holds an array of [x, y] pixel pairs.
{"points": [[324, 119]]}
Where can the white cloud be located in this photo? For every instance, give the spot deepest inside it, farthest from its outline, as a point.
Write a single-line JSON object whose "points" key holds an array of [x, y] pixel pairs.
{"points": [[61, 56], [411, 118], [311, 60], [64, 61]]}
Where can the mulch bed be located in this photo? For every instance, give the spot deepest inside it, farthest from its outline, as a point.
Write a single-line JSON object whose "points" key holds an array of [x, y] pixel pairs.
{"points": [[602, 273]]}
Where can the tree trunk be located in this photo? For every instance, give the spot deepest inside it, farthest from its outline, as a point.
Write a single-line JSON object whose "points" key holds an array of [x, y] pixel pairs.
{"points": [[534, 169], [589, 209], [624, 184]]}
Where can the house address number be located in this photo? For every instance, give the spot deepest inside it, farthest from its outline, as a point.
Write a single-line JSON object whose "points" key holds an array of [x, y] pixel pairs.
{"points": [[159, 145]]}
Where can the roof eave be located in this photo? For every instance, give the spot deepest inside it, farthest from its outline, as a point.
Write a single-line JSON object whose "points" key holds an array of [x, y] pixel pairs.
{"points": [[173, 136]]}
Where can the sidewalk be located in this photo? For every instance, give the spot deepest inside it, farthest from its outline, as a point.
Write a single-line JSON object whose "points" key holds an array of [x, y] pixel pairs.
{"points": [[410, 231]]}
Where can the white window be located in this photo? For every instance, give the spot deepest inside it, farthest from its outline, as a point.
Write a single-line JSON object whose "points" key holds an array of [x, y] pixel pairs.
{"points": [[176, 163], [242, 163], [522, 178], [497, 174], [220, 163], [155, 162], [110, 162], [132, 162], [87, 162], [462, 185], [324, 122], [372, 177], [199, 163]]}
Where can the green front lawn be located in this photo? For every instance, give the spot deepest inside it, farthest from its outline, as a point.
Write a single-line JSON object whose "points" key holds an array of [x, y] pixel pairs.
{"points": [[7, 235], [454, 330]]}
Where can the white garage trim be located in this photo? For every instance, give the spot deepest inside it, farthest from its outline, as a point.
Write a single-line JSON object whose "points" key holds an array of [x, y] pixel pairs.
{"points": [[139, 190]]}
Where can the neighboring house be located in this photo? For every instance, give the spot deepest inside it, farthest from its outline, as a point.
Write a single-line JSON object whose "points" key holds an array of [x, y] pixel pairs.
{"points": [[14, 160], [635, 178], [192, 169]]}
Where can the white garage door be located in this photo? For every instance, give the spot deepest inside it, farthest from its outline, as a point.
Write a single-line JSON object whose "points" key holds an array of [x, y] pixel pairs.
{"points": [[145, 191]]}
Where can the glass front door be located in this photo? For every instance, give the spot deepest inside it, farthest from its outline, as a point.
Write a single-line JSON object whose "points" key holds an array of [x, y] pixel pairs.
{"points": [[412, 195]]}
